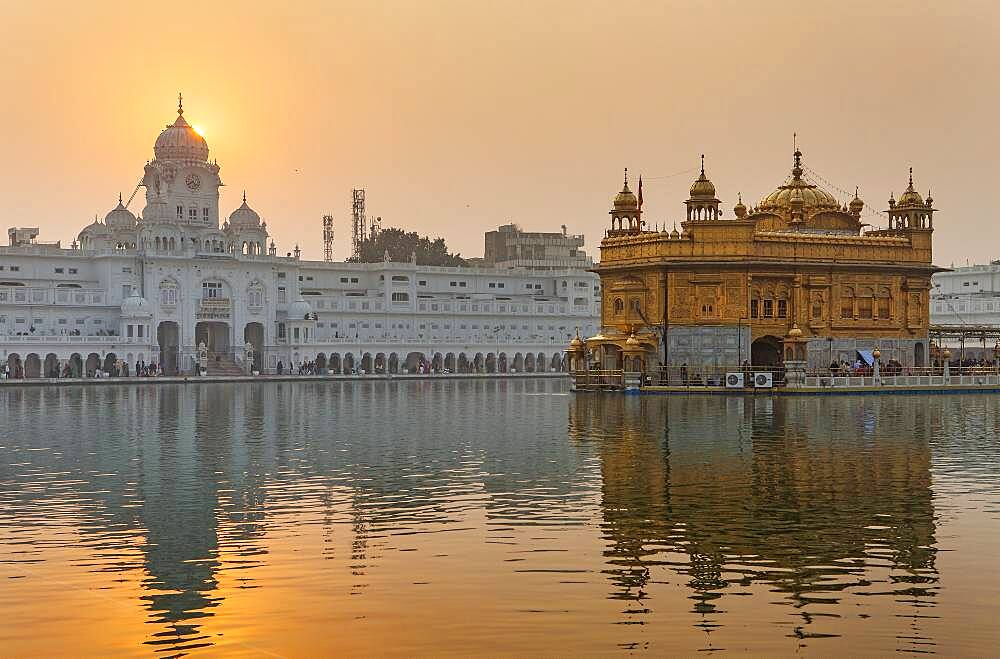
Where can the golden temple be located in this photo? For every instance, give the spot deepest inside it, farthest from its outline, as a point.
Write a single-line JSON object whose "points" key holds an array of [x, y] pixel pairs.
{"points": [[797, 277]]}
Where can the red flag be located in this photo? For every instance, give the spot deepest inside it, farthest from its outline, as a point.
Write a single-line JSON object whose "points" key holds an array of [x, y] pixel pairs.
{"points": [[640, 191]]}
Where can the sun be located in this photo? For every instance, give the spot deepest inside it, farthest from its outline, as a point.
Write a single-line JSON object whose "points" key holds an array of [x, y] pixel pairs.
{"points": [[199, 130]]}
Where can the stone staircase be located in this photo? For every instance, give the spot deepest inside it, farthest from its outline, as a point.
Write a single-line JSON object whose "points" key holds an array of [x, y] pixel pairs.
{"points": [[223, 364]]}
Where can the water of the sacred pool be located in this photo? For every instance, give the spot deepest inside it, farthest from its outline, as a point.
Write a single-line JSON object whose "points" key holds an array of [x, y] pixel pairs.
{"points": [[493, 517]]}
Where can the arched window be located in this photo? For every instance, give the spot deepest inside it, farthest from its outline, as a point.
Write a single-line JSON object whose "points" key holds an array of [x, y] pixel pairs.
{"points": [[884, 305], [817, 305], [255, 295], [847, 303], [866, 306], [619, 306], [168, 293]]}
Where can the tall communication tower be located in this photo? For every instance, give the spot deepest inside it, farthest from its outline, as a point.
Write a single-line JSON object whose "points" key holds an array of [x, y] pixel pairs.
{"points": [[328, 238], [358, 219]]}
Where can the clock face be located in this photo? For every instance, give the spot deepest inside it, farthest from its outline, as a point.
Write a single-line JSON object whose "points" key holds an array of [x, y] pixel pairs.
{"points": [[193, 181]]}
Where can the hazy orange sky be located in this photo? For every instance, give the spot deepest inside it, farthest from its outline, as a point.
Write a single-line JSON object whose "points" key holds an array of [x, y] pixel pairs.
{"points": [[460, 116]]}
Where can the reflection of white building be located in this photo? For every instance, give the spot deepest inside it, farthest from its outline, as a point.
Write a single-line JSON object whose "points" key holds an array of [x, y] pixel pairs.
{"points": [[152, 288]]}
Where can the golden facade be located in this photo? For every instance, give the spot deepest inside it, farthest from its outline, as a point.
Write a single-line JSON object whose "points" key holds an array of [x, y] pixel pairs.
{"points": [[796, 277]]}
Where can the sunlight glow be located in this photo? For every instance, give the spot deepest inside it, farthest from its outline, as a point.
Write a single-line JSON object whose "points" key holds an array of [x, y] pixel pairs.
{"points": [[198, 129]]}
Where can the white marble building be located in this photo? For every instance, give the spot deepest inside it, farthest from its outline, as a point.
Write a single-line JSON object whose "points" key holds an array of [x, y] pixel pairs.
{"points": [[968, 295], [152, 288]]}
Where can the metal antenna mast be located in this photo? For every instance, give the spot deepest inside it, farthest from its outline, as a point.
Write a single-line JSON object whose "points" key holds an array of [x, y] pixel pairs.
{"points": [[328, 238], [358, 219]]}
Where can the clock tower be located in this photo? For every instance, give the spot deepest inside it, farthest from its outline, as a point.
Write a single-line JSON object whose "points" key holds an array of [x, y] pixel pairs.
{"points": [[182, 186]]}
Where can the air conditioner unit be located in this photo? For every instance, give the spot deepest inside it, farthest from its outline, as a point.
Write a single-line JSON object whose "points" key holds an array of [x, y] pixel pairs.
{"points": [[734, 380], [763, 380]]}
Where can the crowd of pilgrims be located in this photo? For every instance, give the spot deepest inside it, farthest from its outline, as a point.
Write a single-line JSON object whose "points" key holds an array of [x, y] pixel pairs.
{"points": [[120, 369]]}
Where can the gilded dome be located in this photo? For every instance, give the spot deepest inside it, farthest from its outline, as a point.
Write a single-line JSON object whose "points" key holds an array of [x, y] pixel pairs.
{"points": [[813, 198], [911, 197], [740, 209], [626, 200], [179, 141], [856, 204], [244, 217], [120, 217], [702, 186]]}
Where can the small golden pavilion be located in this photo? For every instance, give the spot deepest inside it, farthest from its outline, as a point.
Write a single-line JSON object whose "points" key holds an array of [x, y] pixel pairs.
{"points": [[798, 276]]}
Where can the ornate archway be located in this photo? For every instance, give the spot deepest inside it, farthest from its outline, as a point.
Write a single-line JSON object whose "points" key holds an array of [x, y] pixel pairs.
{"points": [[766, 351]]}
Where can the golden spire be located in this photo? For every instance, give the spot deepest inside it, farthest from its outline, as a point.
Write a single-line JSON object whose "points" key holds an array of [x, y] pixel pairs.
{"points": [[180, 103]]}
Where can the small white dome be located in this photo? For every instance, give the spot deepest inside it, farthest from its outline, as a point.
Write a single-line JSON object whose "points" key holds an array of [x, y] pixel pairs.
{"points": [[136, 305], [299, 309], [120, 217], [244, 217], [95, 230]]}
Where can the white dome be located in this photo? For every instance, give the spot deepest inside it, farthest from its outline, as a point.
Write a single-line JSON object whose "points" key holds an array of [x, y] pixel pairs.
{"points": [[299, 309], [179, 141], [136, 305], [95, 230], [244, 217], [120, 217]]}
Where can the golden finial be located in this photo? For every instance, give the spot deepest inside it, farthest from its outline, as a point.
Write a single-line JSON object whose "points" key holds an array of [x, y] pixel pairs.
{"points": [[244, 196], [180, 103], [911, 178], [119, 199], [626, 177], [703, 164]]}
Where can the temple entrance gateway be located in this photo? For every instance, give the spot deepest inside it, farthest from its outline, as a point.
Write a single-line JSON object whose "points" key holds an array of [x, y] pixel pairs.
{"points": [[765, 351], [214, 334], [168, 338], [253, 334]]}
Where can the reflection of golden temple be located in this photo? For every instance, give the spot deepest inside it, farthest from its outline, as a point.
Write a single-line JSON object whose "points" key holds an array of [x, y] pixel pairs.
{"points": [[728, 493], [795, 277]]}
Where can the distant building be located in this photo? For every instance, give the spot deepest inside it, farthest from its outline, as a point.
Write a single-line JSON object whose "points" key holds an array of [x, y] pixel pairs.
{"points": [[158, 286], [510, 247], [968, 295]]}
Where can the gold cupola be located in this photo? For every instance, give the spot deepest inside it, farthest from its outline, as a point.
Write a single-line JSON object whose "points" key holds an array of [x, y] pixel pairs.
{"points": [[813, 198], [702, 204]]}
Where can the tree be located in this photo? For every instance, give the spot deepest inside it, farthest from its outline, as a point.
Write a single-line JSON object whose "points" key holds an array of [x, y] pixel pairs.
{"points": [[402, 245]]}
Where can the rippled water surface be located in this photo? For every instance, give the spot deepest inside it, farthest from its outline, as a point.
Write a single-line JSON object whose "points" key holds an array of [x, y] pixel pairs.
{"points": [[304, 519]]}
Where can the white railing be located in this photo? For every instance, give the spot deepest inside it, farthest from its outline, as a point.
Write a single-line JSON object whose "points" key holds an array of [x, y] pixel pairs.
{"points": [[432, 340], [65, 338]]}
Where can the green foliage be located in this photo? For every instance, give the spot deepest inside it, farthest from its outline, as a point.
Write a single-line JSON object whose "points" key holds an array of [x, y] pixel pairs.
{"points": [[401, 247]]}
